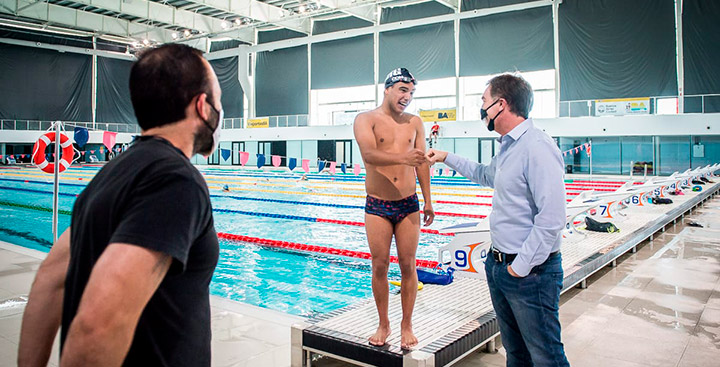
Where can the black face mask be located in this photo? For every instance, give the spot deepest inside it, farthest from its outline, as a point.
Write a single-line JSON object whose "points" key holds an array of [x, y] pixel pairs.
{"points": [[484, 115]]}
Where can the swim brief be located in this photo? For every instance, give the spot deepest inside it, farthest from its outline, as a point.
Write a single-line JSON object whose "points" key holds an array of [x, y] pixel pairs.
{"points": [[394, 211]]}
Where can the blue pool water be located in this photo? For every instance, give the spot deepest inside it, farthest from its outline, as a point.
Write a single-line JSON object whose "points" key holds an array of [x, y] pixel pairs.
{"points": [[287, 281]]}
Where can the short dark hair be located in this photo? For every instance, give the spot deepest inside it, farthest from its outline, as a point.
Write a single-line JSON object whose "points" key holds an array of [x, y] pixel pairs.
{"points": [[164, 80], [515, 90]]}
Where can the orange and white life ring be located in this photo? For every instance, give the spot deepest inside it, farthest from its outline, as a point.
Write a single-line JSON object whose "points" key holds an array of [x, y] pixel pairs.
{"points": [[39, 152]]}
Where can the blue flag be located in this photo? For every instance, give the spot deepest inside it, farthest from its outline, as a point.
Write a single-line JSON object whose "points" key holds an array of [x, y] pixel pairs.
{"points": [[225, 153], [260, 160], [454, 173], [292, 163], [81, 136], [343, 168], [321, 165], [440, 171]]}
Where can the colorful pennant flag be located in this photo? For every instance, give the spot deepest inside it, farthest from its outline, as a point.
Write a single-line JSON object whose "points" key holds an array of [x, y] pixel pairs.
{"points": [[81, 136], [306, 165], [343, 168], [225, 154], [260, 160], [109, 139], [332, 167], [244, 157], [321, 165], [276, 161], [356, 169], [292, 163]]}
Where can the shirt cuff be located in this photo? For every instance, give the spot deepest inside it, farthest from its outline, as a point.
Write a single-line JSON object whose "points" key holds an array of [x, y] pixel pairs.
{"points": [[520, 267], [452, 160]]}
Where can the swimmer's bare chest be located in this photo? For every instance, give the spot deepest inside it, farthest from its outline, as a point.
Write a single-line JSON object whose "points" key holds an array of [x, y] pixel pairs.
{"points": [[393, 182]]}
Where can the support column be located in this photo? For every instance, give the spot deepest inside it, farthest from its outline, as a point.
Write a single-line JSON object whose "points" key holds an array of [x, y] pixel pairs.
{"points": [[556, 51], [376, 55], [93, 85], [679, 55], [459, 111]]}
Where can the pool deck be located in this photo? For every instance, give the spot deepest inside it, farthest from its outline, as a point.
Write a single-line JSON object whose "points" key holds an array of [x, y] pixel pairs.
{"points": [[243, 335]]}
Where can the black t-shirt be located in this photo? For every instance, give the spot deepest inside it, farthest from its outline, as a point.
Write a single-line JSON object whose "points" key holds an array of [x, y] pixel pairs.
{"points": [[151, 196]]}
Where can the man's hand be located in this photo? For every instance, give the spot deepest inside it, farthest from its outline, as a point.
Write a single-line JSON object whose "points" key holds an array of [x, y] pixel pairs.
{"points": [[415, 158], [512, 272], [428, 214], [435, 156]]}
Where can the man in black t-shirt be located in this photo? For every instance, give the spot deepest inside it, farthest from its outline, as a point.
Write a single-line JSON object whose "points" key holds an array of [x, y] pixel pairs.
{"points": [[129, 281]]}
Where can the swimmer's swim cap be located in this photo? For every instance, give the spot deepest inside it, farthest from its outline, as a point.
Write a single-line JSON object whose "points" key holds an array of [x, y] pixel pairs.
{"points": [[399, 75]]}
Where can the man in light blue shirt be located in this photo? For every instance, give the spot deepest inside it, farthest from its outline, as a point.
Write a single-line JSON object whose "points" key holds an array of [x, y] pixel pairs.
{"points": [[524, 270]]}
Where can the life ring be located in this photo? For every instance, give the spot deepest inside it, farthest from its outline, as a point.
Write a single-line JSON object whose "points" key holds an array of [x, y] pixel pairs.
{"points": [[39, 152]]}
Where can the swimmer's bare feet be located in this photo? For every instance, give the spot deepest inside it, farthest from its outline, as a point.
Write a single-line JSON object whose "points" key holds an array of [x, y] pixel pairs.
{"points": [[407, 337], [380, 336]]}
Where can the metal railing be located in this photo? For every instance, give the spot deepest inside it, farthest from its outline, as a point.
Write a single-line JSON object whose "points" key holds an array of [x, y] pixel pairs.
{"points": [[33, 125], [695, 103], [229, 123]]}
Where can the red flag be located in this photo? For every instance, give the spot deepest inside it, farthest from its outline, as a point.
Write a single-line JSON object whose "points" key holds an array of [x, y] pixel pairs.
{"points": [[82, 153], [588, 149]]}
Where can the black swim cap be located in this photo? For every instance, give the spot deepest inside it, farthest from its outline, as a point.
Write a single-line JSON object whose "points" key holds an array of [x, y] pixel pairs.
{"points": [[399, 75]]}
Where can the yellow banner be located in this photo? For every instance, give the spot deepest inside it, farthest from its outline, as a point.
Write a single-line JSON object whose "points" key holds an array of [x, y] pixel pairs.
{"points": [[438, 115], [256, 123]]}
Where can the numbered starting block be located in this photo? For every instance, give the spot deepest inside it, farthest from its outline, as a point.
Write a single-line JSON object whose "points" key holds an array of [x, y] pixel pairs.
{"points": [[467, 252]]}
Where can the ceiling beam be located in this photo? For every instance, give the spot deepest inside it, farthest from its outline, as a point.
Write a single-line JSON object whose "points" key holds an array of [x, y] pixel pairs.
{"points": [[260, 12], [452, 4], [78, 19], [355, 8]]}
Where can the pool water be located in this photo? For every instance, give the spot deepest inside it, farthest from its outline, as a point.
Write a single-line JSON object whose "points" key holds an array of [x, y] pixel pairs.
{"points": [[284, 280]]}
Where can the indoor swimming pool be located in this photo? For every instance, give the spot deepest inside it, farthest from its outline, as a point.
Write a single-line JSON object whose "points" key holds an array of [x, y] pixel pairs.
{"points": [[323, 211]]}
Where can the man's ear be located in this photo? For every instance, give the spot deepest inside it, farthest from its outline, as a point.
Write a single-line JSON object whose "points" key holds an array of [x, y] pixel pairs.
{"points": [[200, 106]]}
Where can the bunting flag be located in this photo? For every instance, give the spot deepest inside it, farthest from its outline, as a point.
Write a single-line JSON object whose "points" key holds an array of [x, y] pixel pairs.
{"points": [[343, 168], [1, 156], [276, 161], [332, 167], [292, 163], [440, 171], [582, 147], [102, 150], [306, 165], [82, 153], [356, 169], [588, 149], [244, 157], [321, 165], [81, 136], [12, 156], [432, 171], [260, 160], [577, 150], [109, 139], [454, 173], [225, 154], [564, 154]]}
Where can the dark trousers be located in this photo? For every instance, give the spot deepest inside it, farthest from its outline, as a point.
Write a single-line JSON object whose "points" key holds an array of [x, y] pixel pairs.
{"points": [[527, 311]]}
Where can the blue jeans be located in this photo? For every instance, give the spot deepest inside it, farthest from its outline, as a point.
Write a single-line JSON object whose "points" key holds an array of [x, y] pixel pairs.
{"points": [[527, 311]]}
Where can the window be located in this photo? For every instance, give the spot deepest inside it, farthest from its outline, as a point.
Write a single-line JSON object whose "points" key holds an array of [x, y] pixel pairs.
{"points": [[339, 106], [429, 95], [542, 82]]}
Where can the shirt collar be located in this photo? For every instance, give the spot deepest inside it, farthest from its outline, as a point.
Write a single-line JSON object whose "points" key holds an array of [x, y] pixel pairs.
{"points": [[519, 130]]}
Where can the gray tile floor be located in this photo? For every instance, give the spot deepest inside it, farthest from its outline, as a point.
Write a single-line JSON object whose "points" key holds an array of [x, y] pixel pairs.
{"points": [[658, 307]]}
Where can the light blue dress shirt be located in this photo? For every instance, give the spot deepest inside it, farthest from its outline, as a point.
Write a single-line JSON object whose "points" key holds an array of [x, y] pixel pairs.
{"points": [[528, 213]]}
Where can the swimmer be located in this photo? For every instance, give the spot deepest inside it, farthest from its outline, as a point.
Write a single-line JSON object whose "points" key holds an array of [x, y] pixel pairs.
{"points": [[304, 178], [392, 144], [226, 188]]}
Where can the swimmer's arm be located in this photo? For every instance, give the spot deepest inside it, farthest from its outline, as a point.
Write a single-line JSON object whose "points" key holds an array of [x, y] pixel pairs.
{"points": [[121, 283], [43, 312], [365, 138]]}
